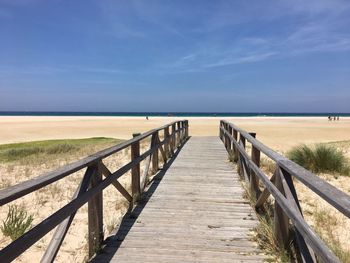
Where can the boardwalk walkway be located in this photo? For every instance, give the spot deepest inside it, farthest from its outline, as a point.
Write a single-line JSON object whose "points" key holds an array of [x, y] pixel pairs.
{"points": [[195, 213]]}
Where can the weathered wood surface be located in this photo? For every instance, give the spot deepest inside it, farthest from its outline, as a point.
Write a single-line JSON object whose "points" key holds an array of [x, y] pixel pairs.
{"points": [[195, 213], [287, 209]]}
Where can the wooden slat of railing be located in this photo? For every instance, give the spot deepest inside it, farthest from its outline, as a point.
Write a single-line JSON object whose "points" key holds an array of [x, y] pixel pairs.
{"points": [[162, 151], [254, 180], [95, 215], [265, 194], [106, 172], [135, 171], [144, 177], [281, 220], [304, 229], [62, 229], [307, 254], [18, 246], [21, 244], [13, 192], [155, 161], [331, 194]]}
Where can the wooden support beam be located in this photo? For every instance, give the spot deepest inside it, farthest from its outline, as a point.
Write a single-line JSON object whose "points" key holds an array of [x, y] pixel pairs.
{"points": [[155, 161], [61, 231], [265, 194], [235, 137], [95, 216], [173, 138], [306, 252], [254, 180], [281, 220], [135, 171], [167, 145], [105, 171]]}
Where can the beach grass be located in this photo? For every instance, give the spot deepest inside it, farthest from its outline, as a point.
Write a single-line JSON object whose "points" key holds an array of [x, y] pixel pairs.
{"points": [[52, 148], [320, 158]]}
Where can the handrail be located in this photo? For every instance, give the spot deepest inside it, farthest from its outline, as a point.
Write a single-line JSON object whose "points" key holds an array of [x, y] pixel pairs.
{"points": [[90, 189], [328, 192], [16, 191], [281, 187]]}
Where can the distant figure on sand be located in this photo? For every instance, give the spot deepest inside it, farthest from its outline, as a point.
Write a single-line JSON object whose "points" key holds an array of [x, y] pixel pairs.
{"points": [[329, 118], [337, 118], [146, 117]]}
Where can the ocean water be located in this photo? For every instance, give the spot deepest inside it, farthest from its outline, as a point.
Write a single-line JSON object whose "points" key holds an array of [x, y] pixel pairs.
{"points": [[165, 114]]}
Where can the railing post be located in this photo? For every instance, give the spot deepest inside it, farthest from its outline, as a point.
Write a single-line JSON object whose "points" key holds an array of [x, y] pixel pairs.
{"points": [[135, 171], [167, 145], [177, 134], [254, 180], [235, 136], [230, 141], [281, 221], [240, 163], [186, 129], [242, 139], [95, 216], [155, 161], [182, 133], [173, 138]]}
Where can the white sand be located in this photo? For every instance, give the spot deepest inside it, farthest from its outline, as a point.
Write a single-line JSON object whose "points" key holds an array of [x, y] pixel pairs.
{"points": [[279, 133]]}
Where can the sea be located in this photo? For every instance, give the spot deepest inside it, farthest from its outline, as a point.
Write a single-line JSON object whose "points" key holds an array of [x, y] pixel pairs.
{"points": [[173, 114]]}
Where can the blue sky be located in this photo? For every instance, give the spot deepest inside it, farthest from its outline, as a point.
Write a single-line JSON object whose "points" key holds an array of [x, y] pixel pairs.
{"points": [[222, 56]]}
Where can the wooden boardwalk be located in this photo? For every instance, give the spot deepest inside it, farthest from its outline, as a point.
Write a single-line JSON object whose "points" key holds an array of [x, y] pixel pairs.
{"points": [[194, 213]]}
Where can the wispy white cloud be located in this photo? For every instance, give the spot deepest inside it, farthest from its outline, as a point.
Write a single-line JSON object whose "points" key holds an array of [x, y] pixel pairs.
{"points": [[241, 60], [55, 70], [316, 26]]}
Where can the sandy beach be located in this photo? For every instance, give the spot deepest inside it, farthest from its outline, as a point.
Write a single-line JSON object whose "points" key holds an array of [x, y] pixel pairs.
{"points": [[280, 133]]}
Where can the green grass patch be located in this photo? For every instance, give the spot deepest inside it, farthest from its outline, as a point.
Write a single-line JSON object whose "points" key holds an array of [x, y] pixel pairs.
{"points": [[28, 150], [17, 222], [320, 158]]}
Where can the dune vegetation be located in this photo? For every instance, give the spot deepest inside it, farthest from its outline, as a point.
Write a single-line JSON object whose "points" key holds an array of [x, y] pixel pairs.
{"points": [[52, 148], [320, 158]]}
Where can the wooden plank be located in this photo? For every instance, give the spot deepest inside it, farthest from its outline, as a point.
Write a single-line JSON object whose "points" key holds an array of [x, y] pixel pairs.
{"points": [[197, 206], [254, 180], [105, 171], [61, 231], [265, 194], [135, 171], [306, 252], [13, 192], [305, 230], [95, 216], [167, 144], [337, 198], [281, 220], [155, 161], [17, 247]]}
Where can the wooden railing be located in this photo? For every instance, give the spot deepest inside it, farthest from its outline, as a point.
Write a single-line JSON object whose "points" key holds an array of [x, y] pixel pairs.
{"points": [[288, 215], [90, 189]]}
